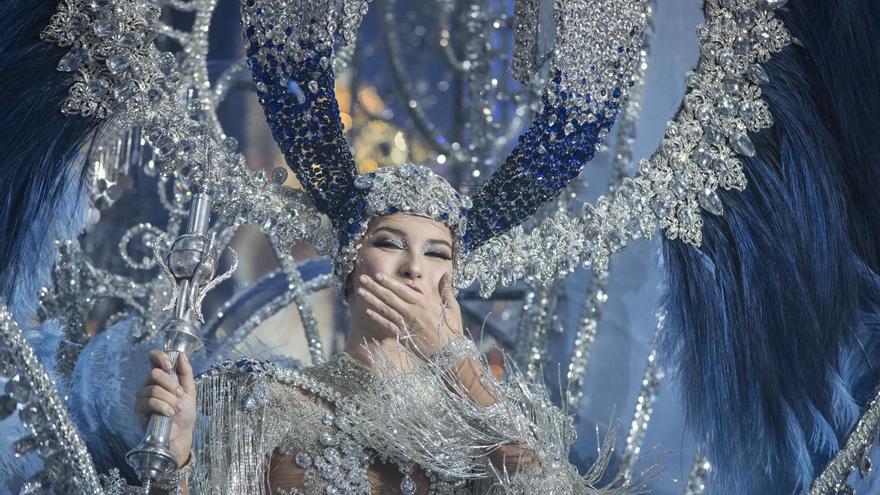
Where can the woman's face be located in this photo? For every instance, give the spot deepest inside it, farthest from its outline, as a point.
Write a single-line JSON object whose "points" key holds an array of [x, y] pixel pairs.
{"points": [[413, 250]]}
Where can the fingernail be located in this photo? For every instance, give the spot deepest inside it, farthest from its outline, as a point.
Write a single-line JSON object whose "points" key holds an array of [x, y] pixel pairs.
{"points": [[170, 412], [364, 279], [167, 365], [179, 391], [361, 291], [379, 276]]}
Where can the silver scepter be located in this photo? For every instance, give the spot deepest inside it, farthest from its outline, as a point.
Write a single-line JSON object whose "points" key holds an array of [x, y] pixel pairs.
{"points": [[191, 262]]}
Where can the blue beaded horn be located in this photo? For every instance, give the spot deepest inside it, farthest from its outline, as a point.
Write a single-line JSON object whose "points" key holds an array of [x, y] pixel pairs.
{"points": [[548, 155], [596, 47], [301, 109]]}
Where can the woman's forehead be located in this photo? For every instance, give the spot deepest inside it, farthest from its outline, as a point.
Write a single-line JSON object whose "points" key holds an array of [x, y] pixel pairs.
{"points": [[412, 226]]}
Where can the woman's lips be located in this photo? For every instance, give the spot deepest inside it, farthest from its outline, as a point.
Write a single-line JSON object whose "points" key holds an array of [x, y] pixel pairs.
{"points": [[413, 287]]}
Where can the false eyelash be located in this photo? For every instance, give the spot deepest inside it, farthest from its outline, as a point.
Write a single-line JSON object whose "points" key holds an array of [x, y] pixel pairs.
{"points": [[402, 245], [390, 243], [439, 254]]}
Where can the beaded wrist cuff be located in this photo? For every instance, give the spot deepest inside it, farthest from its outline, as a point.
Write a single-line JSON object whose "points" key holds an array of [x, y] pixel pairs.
{"points": [[453, 352], [172, 483]]}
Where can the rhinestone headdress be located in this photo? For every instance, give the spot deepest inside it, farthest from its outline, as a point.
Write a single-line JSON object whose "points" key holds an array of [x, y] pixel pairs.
{"points": [[293, 70], [290, 52], [408, 189]]}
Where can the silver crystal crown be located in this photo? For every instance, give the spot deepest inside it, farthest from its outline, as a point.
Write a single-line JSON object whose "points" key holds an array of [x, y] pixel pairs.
{"points": [[408, 189]]}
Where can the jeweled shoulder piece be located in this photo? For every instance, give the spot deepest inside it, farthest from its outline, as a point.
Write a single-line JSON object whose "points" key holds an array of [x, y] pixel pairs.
{"points": [[342, 372]]}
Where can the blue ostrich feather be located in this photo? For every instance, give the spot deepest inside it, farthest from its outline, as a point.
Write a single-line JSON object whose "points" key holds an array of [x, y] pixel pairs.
{"points": [[773, 323], [39, 146]]}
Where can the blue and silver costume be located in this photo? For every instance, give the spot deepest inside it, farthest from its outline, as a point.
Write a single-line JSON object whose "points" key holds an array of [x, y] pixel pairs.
{"points": [[773, 318]]}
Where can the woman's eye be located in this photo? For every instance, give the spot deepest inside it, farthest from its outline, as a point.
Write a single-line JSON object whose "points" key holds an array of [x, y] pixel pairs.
{"points": [[388, 243], [438, 254]]}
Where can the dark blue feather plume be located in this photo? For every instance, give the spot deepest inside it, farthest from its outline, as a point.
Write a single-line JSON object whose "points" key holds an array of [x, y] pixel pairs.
{"points": [[773, 322], [39, 145]]}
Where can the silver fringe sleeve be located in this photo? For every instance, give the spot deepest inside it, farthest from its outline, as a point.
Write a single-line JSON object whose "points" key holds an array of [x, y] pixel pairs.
{"points": [[245, 410], [425, 416], [228, 441]]}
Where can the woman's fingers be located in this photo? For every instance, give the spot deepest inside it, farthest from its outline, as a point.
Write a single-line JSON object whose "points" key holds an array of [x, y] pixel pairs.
{"points": [[159, 393], [164, 380], [381, 308], [159, 359], [447, 295], [162, 394], [403, 292], [185, 375], [157, 406], [155, 399], [387, 296], [385, 322], [451, 313]]}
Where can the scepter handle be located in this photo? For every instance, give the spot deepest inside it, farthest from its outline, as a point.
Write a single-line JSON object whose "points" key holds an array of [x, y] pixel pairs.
{"points": [[159, 426]]}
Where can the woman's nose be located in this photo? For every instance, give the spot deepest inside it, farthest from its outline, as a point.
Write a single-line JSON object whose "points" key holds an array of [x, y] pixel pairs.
{"points": [[411, 267]]}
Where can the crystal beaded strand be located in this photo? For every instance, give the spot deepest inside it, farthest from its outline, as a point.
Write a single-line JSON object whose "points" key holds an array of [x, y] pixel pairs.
{"points": [[591, 312], [644, 410], [596, 294], [853, 456], [699, 475], [538, 317], [296, 286], [47, 419]]}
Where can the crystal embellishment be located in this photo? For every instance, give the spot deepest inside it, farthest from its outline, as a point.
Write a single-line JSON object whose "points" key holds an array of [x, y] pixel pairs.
{"points": [[7, 406], [407, 485], [73, 60], [327, 439], [303, 459], [699, 153]]}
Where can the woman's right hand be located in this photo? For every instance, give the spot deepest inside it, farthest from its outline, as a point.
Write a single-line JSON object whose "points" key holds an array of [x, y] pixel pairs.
{"points": [[160, 394]]}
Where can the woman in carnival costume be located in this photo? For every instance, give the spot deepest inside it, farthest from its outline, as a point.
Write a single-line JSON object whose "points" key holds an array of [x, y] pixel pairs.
{"points": [[410, 406]]}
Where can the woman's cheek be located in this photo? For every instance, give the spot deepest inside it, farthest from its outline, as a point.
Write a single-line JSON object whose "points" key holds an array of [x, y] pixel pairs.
{"points": [[381, 262], [435, 283]]}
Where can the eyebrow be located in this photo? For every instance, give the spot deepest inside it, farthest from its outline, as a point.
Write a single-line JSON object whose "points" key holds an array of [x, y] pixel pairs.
{"points": [[402, 234]]}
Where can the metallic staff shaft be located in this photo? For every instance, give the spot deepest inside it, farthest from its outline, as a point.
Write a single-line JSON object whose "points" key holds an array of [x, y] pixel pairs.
{"points": [[192, 262]]}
